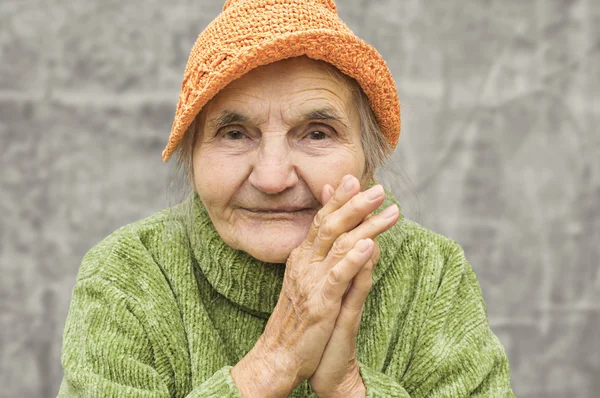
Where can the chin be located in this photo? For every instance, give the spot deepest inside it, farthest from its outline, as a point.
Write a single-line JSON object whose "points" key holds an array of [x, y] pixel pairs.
{"points": [[269, 253], [277, 258], [272, 247], [269, 237]]}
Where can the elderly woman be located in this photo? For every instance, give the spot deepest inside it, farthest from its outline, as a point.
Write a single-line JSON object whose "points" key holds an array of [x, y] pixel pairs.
{"points": [[288, 271]]}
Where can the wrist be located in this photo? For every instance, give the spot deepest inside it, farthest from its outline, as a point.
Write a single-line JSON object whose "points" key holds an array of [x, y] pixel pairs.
{"points": [[351, 387], [264, 372]]}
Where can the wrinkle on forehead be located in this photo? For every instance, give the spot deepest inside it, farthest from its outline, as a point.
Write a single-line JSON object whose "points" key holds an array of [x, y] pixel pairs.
{"points": [[285, 91]]}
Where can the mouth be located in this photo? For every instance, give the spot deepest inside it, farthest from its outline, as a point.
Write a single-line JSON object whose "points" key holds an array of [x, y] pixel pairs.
{"points": [[281, 213], [279, 210]]}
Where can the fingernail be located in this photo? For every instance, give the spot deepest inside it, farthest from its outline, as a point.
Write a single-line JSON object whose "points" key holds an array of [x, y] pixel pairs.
{"points": [[348, 183], [390, 212], [375, 192]]}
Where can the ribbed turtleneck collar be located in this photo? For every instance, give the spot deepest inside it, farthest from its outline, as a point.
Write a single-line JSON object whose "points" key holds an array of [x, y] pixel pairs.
{"points": [[252, 284]]}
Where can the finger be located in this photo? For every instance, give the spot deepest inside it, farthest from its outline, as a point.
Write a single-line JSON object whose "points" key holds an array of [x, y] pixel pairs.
{"points": [[327, 193], [360, 283], [330, 193], [346, 218], [368, 229], [347, 188], [373, 260], [348, 319], [345, 270], [367, 217]]}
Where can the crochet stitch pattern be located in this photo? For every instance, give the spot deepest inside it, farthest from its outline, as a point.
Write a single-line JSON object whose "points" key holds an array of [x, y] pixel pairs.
{"points": [[252, 33]]}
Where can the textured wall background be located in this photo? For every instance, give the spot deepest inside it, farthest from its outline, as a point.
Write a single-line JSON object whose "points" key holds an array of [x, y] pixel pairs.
{"points": [[500, 150]]}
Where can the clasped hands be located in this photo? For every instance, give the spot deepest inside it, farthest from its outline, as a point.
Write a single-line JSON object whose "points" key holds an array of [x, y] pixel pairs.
{"points": [[312, 331]]}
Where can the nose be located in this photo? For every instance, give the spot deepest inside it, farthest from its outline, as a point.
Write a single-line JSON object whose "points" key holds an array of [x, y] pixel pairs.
{"points": [[273, 170]]}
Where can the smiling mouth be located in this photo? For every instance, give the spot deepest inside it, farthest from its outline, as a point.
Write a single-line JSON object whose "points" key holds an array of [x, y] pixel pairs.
{"points": [[280, 211]]}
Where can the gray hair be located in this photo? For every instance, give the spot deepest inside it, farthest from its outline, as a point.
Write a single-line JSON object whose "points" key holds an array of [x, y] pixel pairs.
{"points": [[376, 147]]}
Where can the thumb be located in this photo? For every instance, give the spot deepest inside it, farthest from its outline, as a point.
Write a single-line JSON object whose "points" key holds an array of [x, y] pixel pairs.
{"points": [[326, 194]]}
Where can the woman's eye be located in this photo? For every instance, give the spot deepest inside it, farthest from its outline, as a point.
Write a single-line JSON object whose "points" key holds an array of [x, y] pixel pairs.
{"points": [[317, 135], [235, 135]]}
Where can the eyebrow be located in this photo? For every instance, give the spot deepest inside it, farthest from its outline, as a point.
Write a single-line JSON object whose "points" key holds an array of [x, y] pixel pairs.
{"points": [[228, 117], [325, 114]]}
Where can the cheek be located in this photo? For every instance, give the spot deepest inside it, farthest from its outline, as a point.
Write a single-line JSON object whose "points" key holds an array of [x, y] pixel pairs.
{"points": [[318, 171], [217, 177]]}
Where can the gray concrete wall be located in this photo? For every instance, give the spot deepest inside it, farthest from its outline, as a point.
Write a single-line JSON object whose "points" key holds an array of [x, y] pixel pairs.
{"points": [[499, 150]]}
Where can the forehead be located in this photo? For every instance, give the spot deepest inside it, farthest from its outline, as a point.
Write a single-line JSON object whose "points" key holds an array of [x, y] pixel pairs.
{"points": [[290, 85]]}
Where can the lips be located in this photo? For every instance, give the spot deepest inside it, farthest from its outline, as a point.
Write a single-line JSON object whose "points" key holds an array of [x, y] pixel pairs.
{"points": [[282, 209]]}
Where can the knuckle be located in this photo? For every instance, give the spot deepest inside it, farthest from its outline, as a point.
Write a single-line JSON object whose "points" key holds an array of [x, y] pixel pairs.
{"points": [[354, 258], [341, 245], [294, 255], [304, 246], [327, 230], [327, 302], [325, 299], [319, 219], [290, 282], [334, 276]]}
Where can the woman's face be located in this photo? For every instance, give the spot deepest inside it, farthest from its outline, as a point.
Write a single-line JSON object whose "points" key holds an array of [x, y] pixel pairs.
{"points": [[266, 146]]}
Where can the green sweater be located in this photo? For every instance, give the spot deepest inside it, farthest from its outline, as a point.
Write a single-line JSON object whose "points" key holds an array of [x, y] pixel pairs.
{"points": [[164, 308]]}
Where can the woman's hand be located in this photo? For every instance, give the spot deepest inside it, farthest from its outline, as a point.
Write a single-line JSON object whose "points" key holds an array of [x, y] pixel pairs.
{"points": [[338, 372], [338, 246]]}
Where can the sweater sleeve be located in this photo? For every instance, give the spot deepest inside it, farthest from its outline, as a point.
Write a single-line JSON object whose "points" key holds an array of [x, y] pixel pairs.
{"points": [[453, 353], [107, 353]]}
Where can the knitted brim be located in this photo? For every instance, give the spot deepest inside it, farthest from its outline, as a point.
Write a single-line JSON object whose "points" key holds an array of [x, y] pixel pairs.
{"points": [[234, 44]]}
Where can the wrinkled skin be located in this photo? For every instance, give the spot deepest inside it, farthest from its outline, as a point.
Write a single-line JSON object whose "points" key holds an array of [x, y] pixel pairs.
{"points": [[279, 165]]}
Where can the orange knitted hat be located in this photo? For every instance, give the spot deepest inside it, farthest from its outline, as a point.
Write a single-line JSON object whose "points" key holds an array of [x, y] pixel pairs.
{"points": [[252, 33]]}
